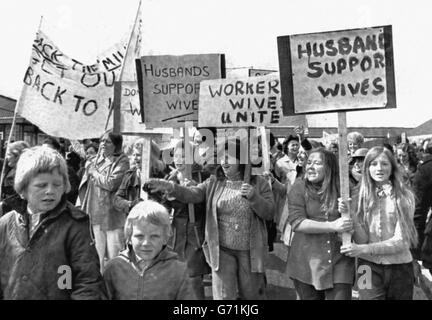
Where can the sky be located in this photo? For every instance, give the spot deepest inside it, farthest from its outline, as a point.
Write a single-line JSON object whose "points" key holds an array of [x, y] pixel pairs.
{"points": [[245, 31]]}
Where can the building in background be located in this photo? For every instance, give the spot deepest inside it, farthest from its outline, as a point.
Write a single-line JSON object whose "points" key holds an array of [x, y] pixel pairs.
{"points": [[23, 130]]}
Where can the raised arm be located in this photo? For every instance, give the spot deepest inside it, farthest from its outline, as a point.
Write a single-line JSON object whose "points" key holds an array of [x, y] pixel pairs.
{"points": [[193, 194]]}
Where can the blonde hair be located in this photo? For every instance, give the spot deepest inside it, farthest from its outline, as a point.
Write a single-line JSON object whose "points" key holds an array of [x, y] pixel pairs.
{"points": [[149, 211], [37, 160], [355, 137], [404, 197], [19, 146]]}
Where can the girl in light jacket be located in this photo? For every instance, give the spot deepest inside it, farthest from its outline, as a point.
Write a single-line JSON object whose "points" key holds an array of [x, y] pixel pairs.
{"points": [[384, 230]]}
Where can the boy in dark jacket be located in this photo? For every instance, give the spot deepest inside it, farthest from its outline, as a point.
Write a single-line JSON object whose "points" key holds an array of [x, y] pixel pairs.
{"points": [[45, 247]]}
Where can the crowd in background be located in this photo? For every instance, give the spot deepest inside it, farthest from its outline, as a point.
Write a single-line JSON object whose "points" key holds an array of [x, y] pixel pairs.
{"points": [[81, 205]]}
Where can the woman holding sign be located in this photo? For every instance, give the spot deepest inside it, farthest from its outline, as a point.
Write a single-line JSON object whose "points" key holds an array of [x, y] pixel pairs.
{"points": [[315, 263], [235, 234], [384, 230]]}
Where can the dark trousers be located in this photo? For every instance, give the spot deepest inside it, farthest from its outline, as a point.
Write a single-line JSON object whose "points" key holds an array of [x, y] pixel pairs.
{"points": [[235, 277], [340, 291], [387, 282]]}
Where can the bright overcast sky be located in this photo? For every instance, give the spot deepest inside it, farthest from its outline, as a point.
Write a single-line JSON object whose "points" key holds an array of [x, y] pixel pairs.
{"points": [[244, 30]]}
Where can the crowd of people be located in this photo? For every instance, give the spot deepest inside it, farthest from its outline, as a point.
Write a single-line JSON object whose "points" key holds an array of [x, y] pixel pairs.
{"points": [[79, 222]]}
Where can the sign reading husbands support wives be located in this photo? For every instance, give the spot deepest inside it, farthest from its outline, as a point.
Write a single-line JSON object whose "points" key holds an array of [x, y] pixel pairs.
{"points": [[169, 86], [244, 102], [337, 71]]}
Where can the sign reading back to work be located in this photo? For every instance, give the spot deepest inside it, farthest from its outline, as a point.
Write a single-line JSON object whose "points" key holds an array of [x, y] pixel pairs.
{"points": [[64, 97], [337, 71], [244, 102], [169, 86]]}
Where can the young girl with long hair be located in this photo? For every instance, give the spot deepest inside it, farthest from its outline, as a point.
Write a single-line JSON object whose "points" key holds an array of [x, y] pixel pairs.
{"points": [[315, 264], [383, 230]]}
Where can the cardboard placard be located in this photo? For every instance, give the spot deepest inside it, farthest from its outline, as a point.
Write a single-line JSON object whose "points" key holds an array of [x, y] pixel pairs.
{"points": [[64, 97], [337, 71], [127, 111], [169, 86], [244, 102], [259, 72]]}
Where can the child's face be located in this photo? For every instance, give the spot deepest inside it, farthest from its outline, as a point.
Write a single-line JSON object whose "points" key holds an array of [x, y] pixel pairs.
{"points": [[44, 191], [179, 159], [380, 169], [136, 157], [147, 240]]}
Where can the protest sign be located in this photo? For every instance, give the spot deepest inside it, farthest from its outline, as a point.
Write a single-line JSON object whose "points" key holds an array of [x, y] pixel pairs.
{"points": [[328, 138], [337, 71], [259, 72], [127, 120], [128, 70], [169, 86], [64, 97], [244, 102]]}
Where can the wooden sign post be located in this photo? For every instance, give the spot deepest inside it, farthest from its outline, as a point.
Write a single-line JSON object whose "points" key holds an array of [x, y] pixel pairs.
{"points": [[344, 169], [145, 163], [265, 148], [337, 71]]}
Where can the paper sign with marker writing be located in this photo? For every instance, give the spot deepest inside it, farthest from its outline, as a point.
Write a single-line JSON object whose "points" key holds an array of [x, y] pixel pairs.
{"points": [[169, 86], [64, 97], [244, 102], [337, 71], [127, 96], [259, 72]]}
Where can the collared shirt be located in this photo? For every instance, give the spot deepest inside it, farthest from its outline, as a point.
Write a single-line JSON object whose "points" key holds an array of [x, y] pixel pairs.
{"points": [[34, 221], [386, 240]]}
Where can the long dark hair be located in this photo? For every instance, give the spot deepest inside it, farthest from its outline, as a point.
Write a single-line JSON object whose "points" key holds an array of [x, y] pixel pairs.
{"points": [[117, 140], [328, 189]]}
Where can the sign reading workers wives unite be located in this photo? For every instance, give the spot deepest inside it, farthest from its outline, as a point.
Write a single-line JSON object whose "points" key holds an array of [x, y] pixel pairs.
{"points": [[64, 97], [244, 102], [337, 71], [169, 86]]}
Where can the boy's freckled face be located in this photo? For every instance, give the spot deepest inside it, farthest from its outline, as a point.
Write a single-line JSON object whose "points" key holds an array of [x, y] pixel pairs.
{"points": [[147, 240], [44, 191]]}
